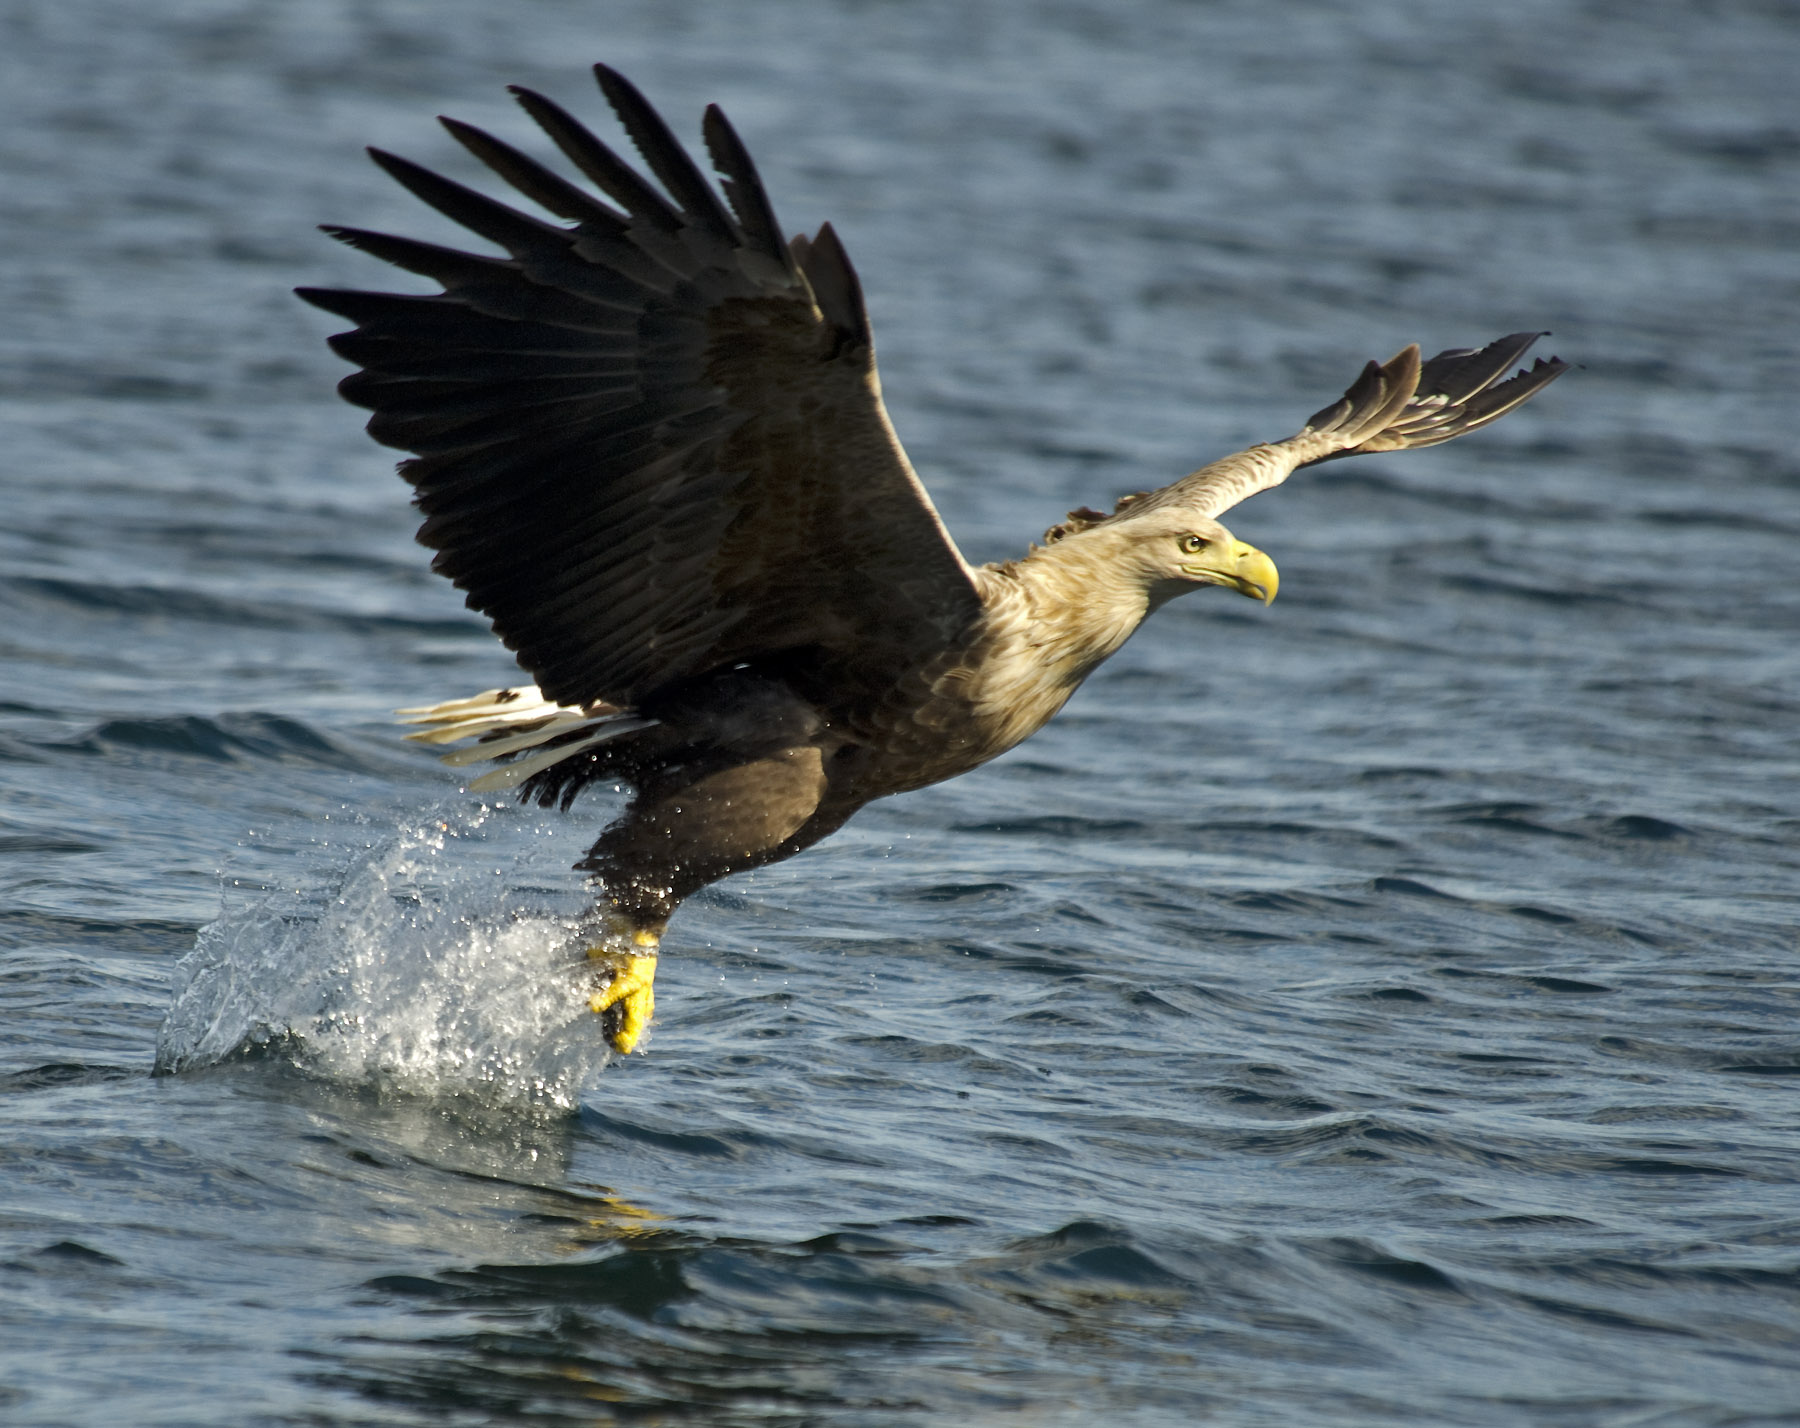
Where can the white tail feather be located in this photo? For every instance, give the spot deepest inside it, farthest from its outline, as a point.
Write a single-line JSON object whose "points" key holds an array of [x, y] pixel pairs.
{"points": [[506, 721], [519, 709], [523, 696], [515, 773], [493, 748]]}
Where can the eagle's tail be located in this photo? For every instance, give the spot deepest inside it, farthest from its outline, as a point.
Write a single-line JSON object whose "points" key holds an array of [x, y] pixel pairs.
{"points": [[508, 723]]}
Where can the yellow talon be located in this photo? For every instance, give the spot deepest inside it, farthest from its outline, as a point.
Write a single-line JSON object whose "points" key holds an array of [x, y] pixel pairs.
{"points": [[627, 1001]]}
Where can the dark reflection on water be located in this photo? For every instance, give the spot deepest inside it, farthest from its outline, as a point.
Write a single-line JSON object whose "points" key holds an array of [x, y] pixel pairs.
{"points": [[1379, 1008], [664, 1324]]}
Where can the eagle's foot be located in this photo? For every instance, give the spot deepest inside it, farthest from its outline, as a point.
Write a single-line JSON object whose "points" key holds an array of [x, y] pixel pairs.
{"points": [[623, 995]]}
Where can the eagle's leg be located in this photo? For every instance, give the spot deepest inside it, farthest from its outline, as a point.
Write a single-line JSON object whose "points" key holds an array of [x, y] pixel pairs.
{"points": [[624, 961], [678, 836]]}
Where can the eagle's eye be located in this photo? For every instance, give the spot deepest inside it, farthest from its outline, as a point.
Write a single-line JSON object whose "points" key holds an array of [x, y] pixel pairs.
{"points": [[1193, 544]]}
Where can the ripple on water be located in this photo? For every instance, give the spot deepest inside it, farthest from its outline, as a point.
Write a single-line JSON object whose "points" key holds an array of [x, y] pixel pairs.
{"points": [[227, 738]]}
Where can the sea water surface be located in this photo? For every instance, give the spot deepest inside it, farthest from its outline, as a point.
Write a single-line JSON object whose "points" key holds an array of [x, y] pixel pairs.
{"points": [[1379, 1008]]}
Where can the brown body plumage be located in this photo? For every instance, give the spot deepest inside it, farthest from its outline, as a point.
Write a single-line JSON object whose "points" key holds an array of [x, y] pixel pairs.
{"points": [[650, 446]]}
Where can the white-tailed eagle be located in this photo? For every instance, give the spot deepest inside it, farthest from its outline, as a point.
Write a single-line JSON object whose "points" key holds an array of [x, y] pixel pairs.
{"points": [[650, 446]]}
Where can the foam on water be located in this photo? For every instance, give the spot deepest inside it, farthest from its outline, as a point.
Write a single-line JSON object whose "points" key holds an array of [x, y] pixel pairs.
{"points": [[399, 970]]}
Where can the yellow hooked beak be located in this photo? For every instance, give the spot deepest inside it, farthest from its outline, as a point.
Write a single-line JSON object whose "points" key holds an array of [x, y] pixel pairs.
{"points": [[1243, 568]]}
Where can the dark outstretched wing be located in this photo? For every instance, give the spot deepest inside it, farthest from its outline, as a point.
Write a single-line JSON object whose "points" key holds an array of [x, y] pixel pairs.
{"points": [[652, 442]]}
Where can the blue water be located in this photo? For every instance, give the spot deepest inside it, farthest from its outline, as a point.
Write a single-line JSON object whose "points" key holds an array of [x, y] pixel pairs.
{"points": [[1376, 1009]]}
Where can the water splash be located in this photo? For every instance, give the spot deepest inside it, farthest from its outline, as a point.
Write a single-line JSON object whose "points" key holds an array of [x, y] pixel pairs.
{"points": [[407, 970]]}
